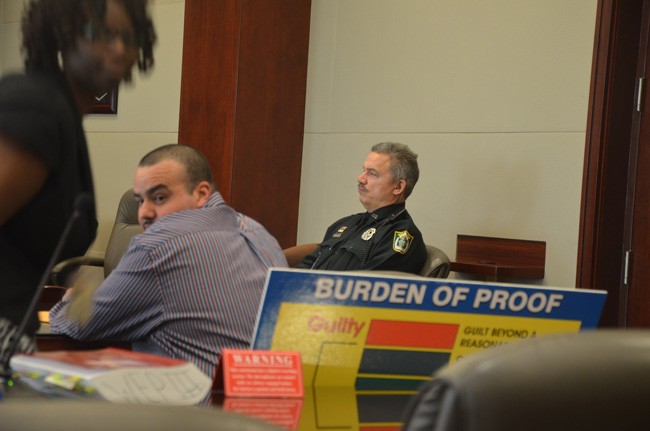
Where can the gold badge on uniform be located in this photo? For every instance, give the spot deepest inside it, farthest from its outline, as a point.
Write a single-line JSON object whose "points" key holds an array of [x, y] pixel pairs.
{"points": [[339, 232], [402, 241], [368, 234]]}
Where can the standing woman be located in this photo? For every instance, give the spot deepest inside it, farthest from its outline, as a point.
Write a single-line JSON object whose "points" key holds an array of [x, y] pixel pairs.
{"points": [[73, 51]]}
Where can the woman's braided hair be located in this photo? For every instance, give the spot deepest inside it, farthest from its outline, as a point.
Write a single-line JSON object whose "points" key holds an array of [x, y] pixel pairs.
{"points": [[51, 27]]}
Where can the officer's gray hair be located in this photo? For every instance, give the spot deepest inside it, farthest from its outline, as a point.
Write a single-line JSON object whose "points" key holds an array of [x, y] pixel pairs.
{"points": [[403, 163]]}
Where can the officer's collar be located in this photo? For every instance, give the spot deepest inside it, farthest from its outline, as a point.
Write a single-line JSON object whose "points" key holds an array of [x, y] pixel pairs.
{"points": [[388, 211]]}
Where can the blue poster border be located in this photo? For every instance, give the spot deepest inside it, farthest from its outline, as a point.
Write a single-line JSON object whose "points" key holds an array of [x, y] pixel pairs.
{"points": [[417, 293]]}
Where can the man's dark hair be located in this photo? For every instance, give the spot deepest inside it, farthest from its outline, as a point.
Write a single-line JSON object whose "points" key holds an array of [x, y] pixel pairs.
{"points": [[197, 167], [403, 163], [51, 27]]}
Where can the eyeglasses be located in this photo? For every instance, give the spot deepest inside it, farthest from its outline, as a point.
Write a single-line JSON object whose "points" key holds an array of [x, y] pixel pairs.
{"points": [[105, 35]]}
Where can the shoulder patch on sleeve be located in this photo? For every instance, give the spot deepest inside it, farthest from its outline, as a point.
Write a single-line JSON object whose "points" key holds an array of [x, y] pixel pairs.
{"points": [[402, 241]]}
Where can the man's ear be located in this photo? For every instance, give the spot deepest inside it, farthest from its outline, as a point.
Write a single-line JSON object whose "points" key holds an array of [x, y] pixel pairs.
{"points": [[202, 192], [399, 188]]}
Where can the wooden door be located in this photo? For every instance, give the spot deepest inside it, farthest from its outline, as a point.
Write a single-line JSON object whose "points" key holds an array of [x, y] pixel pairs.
{"points": [[634, 310], [608, 157]]}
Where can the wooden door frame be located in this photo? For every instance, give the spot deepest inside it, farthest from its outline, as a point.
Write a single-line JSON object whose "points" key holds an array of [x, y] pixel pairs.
{"points": [[608, 154]]}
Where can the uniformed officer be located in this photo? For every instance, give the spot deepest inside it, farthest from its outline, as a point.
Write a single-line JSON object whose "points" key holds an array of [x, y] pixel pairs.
{"points": [[384, 237]]}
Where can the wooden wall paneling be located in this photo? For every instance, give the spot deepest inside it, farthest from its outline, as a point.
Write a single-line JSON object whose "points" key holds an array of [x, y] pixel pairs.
{"points": [[242, 102], [592, 160], [269, 127], [209, 83]]}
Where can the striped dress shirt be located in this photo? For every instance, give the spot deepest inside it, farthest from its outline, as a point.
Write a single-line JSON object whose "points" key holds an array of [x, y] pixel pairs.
{"points": [[188, 287]]}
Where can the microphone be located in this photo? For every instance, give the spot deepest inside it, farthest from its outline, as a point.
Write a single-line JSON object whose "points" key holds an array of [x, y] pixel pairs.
{"points": [[83, 202]]}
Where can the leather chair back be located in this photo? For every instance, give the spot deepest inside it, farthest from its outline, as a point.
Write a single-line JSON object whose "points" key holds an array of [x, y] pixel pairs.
{"points": [[592, 380], [126, 227], [437, 264]]}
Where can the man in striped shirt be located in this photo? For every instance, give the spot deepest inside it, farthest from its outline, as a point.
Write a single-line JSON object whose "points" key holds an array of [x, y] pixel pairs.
{"points": [[191, 283]]}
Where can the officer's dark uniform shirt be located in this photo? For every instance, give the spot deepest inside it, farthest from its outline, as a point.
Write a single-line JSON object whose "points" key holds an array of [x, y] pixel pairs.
{"points": [[386, 239]]}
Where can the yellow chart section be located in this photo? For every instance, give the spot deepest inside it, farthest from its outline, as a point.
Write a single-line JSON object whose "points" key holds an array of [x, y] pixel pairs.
{"points": [[333, 339]]}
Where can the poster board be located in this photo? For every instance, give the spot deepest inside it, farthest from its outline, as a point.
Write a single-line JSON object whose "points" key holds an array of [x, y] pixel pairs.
{"points": [[379, 332]]}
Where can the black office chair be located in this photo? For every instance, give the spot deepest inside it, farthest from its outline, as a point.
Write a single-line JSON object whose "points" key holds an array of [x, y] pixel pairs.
{"points": [[594, 380], [126, 227]]}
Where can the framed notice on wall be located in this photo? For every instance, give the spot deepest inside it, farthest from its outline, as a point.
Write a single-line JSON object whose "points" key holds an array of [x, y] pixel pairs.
{"points": [[105, 103]]}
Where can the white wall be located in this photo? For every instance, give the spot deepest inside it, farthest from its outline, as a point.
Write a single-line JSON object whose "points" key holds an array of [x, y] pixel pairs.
{"points": [[492, 95], [2, 30], [10, 11], [147, 117], [147, 114]]}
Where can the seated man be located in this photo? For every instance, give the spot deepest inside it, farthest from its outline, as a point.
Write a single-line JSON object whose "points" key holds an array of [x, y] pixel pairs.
{"points": [[384, 237], [191, 283]]}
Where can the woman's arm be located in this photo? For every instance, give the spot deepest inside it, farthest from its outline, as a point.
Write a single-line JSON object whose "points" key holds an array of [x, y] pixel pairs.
{"points": [[21, 176]]}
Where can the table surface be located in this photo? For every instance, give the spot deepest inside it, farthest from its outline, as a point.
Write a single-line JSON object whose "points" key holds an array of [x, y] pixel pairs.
{"points": [[320, 408]]}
